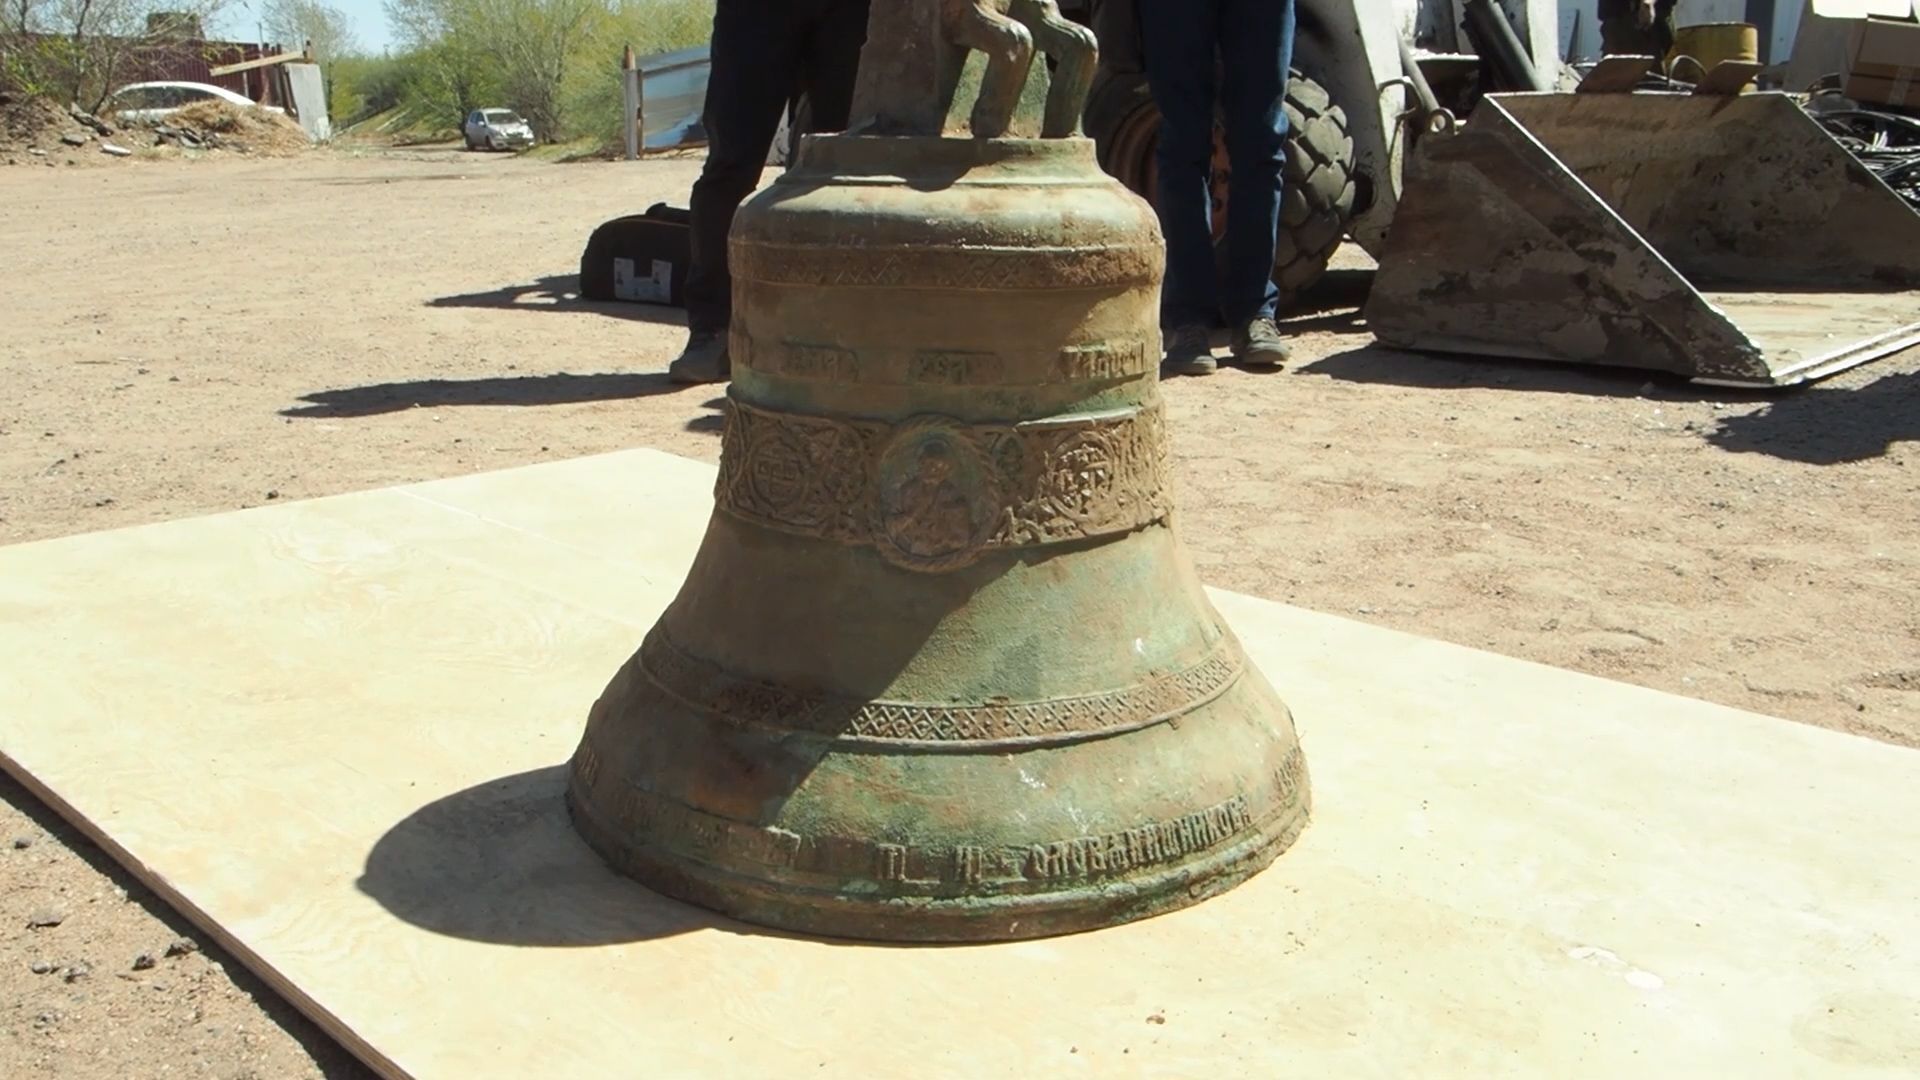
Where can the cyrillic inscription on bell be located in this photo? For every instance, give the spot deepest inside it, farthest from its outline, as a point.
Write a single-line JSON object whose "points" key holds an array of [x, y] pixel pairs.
{"points": [[941, 670]]}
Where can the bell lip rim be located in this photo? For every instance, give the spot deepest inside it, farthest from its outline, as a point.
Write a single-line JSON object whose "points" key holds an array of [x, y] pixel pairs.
{"points": [[961, 920]]}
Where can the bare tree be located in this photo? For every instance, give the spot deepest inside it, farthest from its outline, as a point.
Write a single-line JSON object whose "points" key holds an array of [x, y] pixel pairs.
{"points": [[296, 22], [22, 16], [80, 46]]}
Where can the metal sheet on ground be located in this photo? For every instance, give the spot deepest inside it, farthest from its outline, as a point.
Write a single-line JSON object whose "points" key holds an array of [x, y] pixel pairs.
{"points": [[1584, 228], [1803, 331]]}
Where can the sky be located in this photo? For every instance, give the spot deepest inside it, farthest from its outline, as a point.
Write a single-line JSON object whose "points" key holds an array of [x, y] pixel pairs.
{"points": [[368, 18]]}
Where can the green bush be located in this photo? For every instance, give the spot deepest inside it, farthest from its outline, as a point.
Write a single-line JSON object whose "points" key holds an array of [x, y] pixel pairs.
{"points": [[363, 86], [556, 62]]}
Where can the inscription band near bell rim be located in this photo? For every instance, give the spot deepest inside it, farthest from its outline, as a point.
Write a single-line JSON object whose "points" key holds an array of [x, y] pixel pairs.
{"points": [[835, 860]]}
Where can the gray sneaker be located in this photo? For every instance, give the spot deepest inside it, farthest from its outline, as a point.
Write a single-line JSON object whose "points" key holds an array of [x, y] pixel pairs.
{"points": [[1189, 352], [1258, 344], [704, 361]]}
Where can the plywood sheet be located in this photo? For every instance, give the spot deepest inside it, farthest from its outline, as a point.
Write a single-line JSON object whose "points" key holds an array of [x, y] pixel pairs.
{"points": [[1798, 328], [332, 732]]}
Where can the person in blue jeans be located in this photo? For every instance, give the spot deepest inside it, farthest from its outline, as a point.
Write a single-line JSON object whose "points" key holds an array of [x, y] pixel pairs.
{"points": [[1232, 55]]}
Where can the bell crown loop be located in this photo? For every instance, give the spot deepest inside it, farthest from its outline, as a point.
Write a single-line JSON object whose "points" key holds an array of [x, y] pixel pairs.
{"points": [[925, 60]]}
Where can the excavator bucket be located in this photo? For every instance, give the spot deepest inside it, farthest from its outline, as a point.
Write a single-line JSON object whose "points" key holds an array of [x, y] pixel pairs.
{"points": [[1726, 238]]}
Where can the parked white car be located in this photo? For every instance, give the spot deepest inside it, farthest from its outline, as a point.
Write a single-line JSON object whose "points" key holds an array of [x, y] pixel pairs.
{"points": [[496, 129], [150, 102]]}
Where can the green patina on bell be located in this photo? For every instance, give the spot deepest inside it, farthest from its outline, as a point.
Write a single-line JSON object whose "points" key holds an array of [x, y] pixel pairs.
{"points": [[942, 670]]}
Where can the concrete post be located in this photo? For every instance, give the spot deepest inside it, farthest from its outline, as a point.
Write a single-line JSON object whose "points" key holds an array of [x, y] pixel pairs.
{"points": [[630, 97]]}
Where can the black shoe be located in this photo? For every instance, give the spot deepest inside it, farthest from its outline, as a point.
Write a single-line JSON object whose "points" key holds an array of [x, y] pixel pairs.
{"points": [[1189, 352], [1258, 344], [704, 361]]}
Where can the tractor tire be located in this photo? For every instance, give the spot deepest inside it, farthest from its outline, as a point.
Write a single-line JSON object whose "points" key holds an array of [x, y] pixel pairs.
{"points": [[1318, 202]]}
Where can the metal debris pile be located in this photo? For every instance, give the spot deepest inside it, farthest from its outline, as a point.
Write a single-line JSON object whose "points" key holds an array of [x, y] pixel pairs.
{"points": [[1886, 142]]}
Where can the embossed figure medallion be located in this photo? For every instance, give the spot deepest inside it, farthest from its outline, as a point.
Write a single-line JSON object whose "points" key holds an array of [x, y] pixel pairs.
{"points": [[941, 669], [986, 485], [935, 500]]}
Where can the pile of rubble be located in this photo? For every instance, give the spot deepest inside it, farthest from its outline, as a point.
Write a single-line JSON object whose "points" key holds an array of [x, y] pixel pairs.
{"points": [[216, 125], [35, 129]]}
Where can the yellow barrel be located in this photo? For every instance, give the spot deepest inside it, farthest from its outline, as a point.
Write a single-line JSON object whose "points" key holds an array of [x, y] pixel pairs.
{"points": [[1710, 43]]}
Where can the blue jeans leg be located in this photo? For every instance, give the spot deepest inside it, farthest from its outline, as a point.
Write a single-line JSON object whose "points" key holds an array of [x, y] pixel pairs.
{"points": [[1179, 48], [1256, 50]]}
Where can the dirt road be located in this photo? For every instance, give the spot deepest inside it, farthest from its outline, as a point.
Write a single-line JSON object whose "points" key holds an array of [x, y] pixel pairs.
{"points": [[186, 338]]}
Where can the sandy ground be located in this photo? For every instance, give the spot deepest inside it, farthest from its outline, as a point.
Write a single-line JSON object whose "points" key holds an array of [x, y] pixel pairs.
{"points": [[185, 338]]}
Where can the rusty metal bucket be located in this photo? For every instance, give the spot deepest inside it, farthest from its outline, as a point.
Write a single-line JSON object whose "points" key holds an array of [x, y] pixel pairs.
{"points": [[1728, 239], [1711, 44]]}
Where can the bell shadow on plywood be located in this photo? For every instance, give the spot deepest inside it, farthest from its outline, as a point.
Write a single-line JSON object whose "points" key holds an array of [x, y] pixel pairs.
{"points": [[560, 293], [500, 862], [503, 862]]}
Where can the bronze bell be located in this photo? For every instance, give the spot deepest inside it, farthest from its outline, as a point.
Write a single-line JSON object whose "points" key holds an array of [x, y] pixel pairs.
{"points": [[941, 670]]}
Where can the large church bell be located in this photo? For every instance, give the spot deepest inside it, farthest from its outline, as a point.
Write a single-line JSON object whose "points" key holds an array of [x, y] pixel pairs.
{"points": [[942, 670]]}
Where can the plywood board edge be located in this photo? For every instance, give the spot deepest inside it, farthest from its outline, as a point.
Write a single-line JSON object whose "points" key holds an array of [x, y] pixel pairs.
{"points": [[207, 925]]}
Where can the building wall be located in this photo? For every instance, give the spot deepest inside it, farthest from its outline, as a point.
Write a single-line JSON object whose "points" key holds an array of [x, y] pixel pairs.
{"points": [[192, 61]]}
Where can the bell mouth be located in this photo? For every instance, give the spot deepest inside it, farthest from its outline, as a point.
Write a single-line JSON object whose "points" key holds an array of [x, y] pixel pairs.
{"points": [[962, 919]]}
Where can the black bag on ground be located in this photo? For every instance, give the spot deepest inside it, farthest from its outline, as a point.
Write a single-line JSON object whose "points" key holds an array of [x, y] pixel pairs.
{"points": [[641, 258]]}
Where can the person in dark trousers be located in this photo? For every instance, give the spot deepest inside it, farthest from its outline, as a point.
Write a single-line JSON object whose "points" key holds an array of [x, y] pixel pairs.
{"points": [[1233, 55], [764, 52], [1637, 28]]}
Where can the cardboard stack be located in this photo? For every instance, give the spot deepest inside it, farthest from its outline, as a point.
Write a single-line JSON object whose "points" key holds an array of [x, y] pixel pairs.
{"points": [[1883, 63], [1873, 45]]}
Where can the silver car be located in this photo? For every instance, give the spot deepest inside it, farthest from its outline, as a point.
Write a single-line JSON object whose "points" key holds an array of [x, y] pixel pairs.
{"points": [[496, 129]]}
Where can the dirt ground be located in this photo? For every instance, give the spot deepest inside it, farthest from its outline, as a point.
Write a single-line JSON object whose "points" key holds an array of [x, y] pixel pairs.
{"points": [[181, 338]]}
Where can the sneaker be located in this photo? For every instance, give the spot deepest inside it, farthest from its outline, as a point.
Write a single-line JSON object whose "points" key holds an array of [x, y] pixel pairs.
{"points": [[704, 361], [1258, 344], [1189, 352]]}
